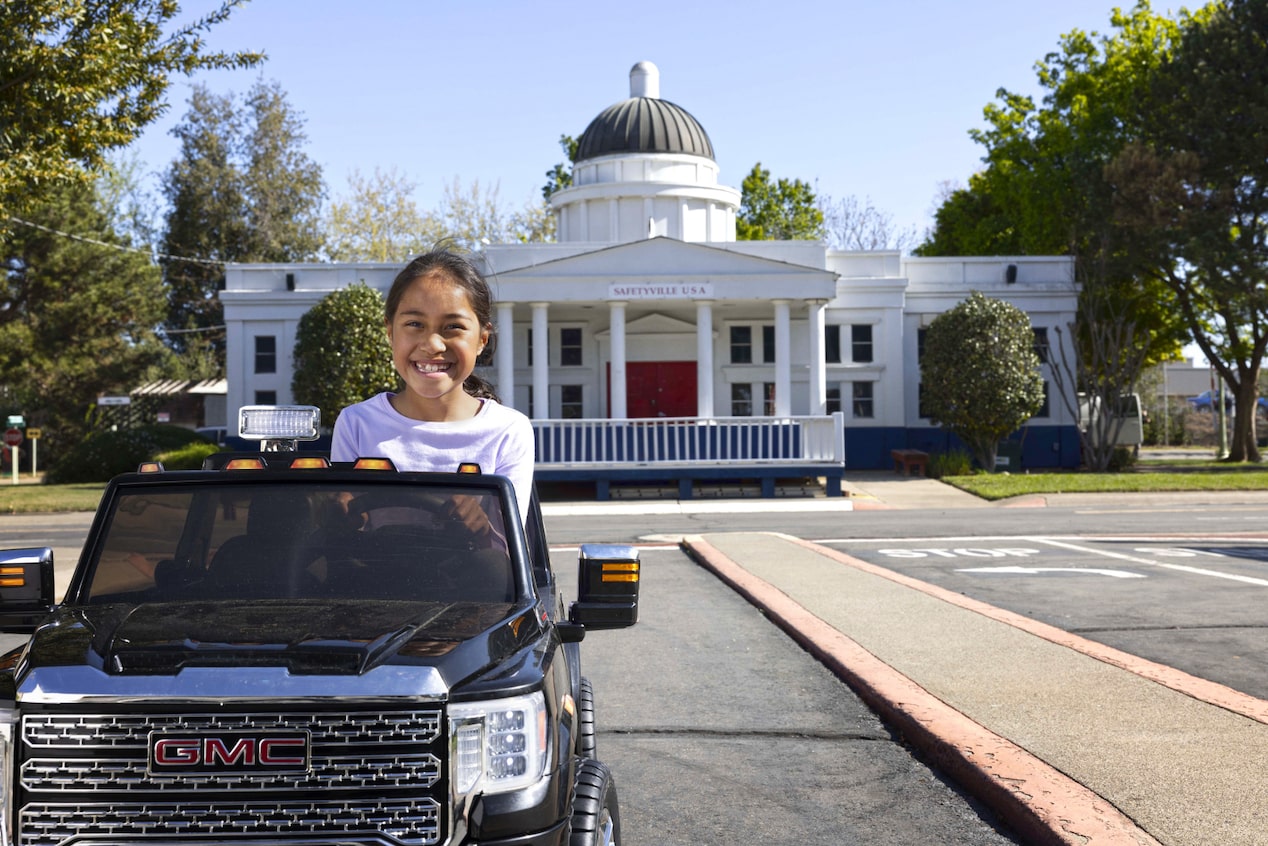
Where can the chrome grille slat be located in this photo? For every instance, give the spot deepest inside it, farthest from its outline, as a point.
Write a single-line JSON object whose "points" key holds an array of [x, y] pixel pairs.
{"points": [[117, 731], [328, 773], [407, 823]]}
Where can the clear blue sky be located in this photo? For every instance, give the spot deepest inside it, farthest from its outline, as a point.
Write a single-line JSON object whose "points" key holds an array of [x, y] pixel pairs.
{"points": [[858, 97]]}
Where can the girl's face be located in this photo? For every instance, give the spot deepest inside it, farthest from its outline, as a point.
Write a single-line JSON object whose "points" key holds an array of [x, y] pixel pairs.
{"points": [[435, 338]]}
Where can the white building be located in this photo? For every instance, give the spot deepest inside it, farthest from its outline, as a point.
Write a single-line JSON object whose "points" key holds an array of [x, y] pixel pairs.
{"points": [[647, 306]]}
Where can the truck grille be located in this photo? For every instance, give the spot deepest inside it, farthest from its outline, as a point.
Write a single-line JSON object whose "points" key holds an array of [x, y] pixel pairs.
{"points": [[375, 777]]}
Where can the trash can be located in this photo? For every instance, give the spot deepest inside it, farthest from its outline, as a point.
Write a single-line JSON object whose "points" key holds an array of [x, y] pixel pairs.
{"points": [[1008, 457]]}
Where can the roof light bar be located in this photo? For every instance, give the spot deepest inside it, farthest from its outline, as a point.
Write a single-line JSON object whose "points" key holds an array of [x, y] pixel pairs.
{"points": [[279, 427]]}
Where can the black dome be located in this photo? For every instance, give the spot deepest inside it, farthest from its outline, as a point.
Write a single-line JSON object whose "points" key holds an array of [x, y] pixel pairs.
{"points": [[644, 125]]}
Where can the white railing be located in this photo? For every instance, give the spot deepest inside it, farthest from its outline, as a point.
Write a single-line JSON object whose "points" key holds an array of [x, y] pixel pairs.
{"points": [[684, 441]]}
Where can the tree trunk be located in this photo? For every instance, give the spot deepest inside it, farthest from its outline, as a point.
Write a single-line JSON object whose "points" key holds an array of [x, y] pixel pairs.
{"points": [[1245, 446]]}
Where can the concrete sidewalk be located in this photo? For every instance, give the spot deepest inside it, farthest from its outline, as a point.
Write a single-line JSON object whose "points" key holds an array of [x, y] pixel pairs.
{"points": [[1070, 741]]}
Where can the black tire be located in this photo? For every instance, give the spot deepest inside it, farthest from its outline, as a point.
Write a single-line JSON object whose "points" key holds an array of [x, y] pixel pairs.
{"points": [[587, 739], [596, 816]]}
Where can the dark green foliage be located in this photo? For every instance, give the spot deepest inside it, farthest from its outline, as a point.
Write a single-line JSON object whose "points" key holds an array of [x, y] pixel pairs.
{"points": [[102, 455], [240, 190], [980, 374], [777, 211], [78, 80], [76, 318], [342, 355], [188, 457]]}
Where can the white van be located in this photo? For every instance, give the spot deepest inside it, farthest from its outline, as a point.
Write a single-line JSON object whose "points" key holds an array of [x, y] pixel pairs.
{"points": [[1132, 431]]}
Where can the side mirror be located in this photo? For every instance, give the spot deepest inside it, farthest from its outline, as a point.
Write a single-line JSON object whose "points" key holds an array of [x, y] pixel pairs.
{"points": [[26, 588], [607, 586]]}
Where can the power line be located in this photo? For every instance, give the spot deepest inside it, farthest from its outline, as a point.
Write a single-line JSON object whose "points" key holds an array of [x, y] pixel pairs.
{"points": [[120, 247]]}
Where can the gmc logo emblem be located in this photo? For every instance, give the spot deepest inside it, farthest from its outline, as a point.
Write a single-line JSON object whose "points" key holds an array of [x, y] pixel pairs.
{"points": [[229, 752]]}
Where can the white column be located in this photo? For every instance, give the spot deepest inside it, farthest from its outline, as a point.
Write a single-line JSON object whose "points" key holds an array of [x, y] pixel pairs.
{"points": [[818, 367], [541, 362], [704, 359], [783, 360], [616, 388], [504, 353]]}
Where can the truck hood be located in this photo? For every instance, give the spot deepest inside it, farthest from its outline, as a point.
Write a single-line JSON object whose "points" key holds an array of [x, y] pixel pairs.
{"points": [[303, 638]]}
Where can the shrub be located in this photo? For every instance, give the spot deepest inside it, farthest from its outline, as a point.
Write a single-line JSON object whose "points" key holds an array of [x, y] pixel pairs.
{"points": [[104, 454], [1124, 458], [188, 457], [957, 462]]}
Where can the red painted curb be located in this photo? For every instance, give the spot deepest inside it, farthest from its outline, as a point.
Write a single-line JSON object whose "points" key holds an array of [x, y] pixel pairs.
{"points": [[1037, 801]]}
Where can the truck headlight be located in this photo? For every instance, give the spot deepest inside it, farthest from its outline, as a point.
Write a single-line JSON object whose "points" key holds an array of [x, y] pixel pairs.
{"points": [[497, 745], [8, 736]]}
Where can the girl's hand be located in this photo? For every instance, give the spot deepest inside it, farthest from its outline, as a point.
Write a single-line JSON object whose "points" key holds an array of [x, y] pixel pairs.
{"points": [[468, 511]]}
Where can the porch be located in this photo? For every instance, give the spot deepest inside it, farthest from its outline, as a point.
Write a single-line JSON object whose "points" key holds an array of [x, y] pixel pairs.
{"points": [[687, 450]]}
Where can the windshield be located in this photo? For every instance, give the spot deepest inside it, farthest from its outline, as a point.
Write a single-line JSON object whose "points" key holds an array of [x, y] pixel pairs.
{"points": [[310, 541]]}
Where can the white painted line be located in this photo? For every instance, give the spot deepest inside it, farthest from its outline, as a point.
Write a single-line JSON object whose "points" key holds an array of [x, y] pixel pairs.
{"points": [[1200, 571], [1030, 571], [751, 506]]}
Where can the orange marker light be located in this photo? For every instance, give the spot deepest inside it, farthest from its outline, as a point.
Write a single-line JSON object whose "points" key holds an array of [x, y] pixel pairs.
{"points": [[245, 464], [469, 467], [12, 577], [315, 463], [150, 467], [374, 464]]}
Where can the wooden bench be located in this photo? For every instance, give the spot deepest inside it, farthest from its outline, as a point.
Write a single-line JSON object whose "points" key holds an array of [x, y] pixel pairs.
{"points": [[907, 460]]}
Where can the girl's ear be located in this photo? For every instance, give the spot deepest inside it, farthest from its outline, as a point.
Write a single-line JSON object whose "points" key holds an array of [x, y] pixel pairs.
{"points": [[485, 332], [387, 327]]}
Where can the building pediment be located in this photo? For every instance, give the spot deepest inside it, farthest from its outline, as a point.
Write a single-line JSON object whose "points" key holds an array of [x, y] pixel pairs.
{"points": [[664, 269], [654, 324]]}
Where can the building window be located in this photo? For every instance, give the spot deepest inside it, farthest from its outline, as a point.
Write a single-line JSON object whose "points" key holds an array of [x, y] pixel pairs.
{"points": [[921, 409], [833, 405], [570, 347], [266, 397], [570, 402], [832, 344], [741, 344], [864, 406], [530, 352], [530, 400], [768, 344], [1041, 344], [265, 354], [768, 397], [861, 343], [742, 400], [921, 335]]}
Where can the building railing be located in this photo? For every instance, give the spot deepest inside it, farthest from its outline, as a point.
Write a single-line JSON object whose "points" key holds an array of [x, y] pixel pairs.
{"points": [[684, 441]]}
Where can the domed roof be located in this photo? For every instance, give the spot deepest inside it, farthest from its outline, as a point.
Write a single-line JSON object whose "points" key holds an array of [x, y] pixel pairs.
{"points": [[644, 123]]}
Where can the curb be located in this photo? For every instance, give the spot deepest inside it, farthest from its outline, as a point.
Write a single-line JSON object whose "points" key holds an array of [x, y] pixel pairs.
{"points": [[1037, 801]]}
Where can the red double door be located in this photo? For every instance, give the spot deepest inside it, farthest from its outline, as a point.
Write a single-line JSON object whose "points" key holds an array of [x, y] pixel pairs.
{"points": [[658, 388]]}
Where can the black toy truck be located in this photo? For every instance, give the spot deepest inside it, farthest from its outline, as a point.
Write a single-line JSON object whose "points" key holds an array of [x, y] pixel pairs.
{"points": [[278, 650]]}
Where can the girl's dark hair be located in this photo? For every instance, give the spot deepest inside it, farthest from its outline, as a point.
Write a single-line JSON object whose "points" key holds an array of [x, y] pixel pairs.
{"points": [[463, 273]]}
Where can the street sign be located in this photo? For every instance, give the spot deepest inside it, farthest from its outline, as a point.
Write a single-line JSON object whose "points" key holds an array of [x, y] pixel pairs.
{"points": [[114, 400], [12, 437], [33, 433]]}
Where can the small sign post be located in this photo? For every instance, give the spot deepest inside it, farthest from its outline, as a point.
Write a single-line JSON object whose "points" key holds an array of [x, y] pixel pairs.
{"points": [[34, 435], [12, 438]]}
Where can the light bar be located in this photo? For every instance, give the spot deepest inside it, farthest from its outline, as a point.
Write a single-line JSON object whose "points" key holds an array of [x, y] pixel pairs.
{"points": [[279, 422]]}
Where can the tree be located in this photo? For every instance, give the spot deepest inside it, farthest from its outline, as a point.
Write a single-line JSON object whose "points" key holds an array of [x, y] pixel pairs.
{"points": [[979, 373], [342, 355], [560, 176], [1194, 190], [780, 210], [241, 189], [379, 220], [851, 224], [77, 312], [78, 80]]}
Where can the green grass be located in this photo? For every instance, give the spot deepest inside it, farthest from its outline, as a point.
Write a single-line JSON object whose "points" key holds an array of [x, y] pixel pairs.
{"points": [[37, 499], [1168, 476]]}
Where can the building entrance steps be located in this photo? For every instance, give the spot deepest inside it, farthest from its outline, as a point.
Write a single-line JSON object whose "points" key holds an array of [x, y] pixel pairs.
{"points": [[1070, 741]]}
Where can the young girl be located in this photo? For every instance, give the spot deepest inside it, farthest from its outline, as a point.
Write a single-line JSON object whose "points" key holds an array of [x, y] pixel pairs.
{"points": [[438, 319]]}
